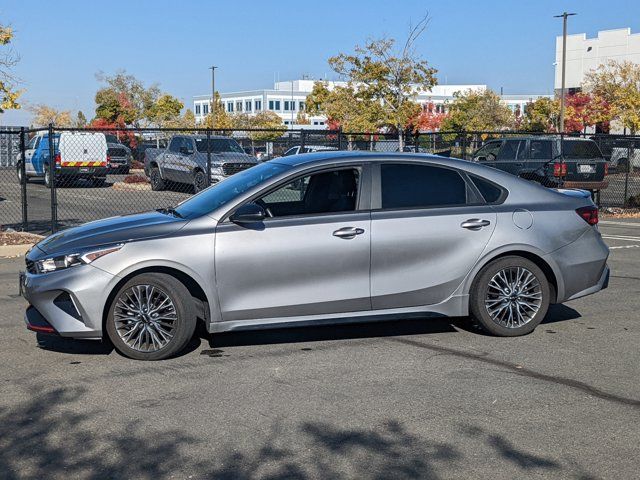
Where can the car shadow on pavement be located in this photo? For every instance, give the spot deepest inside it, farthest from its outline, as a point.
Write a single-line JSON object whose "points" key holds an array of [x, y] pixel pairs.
{"points": [[560, 313], [73, 346], [387, 328]]}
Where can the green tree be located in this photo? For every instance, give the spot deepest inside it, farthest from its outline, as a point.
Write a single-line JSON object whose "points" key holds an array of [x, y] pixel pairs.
{"points": [[267, 120], [541, 115], [44, 115], [393, 78], [8, 93], [125, 100], [617, 84], [81, 120], [477, 110], [165, 111]]}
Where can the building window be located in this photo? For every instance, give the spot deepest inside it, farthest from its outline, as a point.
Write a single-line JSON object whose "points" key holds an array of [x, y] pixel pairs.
{"points": [[247, 106], [258, 104], [197, 109], [230, 107], [286, 105], [277, 105], [271, 104], [286, 122], [239, 106], [205, 109], [301, 106]]}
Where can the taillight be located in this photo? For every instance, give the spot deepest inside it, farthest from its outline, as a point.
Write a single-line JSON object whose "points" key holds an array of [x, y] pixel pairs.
{"points": [[58, 159], [589, 214], [606, 169], [559, 169], [108, 158]]}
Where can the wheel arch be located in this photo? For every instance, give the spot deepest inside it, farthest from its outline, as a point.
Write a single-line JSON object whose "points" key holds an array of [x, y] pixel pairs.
{"points": [[197, 292], [550, 271]]}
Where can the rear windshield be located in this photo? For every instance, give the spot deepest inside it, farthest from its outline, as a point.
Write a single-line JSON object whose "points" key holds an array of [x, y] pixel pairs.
{"points": [[219, 145], [580, 149]]}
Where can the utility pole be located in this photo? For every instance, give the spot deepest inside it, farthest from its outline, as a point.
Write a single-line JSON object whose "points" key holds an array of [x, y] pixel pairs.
{"points": [[213, 92], [564, 65]]}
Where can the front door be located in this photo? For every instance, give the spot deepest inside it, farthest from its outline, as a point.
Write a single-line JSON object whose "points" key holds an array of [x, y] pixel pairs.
{"points": [[309, 257], [427, 233]]}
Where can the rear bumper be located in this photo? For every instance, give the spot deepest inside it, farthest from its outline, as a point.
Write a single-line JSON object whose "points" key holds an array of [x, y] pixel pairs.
{"points": [[581, 266], [601, 185], [81, 172]]}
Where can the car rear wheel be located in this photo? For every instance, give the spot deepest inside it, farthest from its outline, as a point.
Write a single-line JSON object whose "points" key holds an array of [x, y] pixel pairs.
{"points": [[20, 176], [510, 296], [199, 181], [157, 183], [47, 176], [152, 317]]}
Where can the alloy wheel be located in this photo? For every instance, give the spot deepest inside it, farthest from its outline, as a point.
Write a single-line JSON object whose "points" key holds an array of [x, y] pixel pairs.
{"points": [[514, 297], [145, 318]]}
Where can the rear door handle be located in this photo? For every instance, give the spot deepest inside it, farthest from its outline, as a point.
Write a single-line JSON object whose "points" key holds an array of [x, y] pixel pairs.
{"points": [[475, 224], [348, 232]]}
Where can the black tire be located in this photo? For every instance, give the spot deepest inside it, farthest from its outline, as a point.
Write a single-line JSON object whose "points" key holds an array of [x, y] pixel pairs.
{"points": [[19, 173], [481, 293], [98, 182], [183, 326], [199, 181], [47, 177], [157, 183]]}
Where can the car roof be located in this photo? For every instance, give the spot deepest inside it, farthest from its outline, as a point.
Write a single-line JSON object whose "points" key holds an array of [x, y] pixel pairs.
{"points": [[540, 137]]}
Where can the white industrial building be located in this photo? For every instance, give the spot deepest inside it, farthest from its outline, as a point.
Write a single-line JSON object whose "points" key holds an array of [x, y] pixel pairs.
{"points": [[585, 54], [288, 98]]}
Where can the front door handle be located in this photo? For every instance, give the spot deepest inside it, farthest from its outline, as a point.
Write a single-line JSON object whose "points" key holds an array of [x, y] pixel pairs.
{"points": [[348, 232], [475, 224]]}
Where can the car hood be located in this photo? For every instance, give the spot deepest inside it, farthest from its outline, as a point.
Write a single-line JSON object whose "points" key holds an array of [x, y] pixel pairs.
{"points": [[120, 229]]}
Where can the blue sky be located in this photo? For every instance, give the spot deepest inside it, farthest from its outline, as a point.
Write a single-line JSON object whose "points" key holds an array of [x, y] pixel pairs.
{"points": [[501, 43]]}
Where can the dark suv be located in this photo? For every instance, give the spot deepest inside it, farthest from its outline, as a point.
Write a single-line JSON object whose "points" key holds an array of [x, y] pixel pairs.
{"points": [[576, 163]]}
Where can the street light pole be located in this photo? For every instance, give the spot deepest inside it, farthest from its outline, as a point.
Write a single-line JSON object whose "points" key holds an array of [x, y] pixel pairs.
{"points": [[564, 64], [213, 92]]}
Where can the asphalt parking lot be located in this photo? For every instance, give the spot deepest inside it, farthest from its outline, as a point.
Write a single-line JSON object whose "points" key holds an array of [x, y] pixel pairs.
{"points": [[409, 399]]}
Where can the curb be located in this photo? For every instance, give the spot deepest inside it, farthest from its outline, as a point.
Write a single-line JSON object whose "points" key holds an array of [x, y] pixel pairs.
{"points": [[7, 251]]}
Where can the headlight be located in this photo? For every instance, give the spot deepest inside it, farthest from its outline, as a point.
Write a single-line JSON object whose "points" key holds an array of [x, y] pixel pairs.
{"points": [[60, 262]]}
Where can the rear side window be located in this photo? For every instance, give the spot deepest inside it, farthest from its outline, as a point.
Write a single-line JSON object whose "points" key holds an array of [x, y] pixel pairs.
{"points": [[421, 186], [490, 192], [540, 150], [580, 149]]}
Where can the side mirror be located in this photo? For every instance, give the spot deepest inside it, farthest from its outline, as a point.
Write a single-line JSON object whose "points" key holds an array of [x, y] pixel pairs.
{"points": [[481, 159], [185, 151], [248, 213]]}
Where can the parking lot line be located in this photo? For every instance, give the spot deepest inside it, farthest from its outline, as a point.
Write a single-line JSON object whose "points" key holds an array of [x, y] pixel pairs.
{"points": [[626, 224], [622, 237], [624, 246]]}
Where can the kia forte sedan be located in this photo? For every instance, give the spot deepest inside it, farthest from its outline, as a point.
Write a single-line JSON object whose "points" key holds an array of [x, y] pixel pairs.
{"points": [[321, 238]]}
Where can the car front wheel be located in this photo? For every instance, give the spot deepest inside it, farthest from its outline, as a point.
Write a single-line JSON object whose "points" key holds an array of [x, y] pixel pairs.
{"points": [[157, 183], [510, 296], [151, 317], [199, 181]]}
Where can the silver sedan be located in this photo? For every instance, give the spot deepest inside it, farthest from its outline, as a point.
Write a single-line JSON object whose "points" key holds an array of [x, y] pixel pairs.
{"points": [[321, 238]]}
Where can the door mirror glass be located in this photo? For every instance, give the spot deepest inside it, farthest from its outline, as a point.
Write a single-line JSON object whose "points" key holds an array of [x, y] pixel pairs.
{"points": [[248, 213], [481, 159]]}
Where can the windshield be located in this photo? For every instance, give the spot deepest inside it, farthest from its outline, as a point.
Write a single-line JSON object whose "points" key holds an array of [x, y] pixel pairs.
{"points": [[580, 149], [225, 191], [218, 145]]}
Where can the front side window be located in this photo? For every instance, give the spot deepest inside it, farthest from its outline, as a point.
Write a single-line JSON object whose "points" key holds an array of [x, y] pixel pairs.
{"points": [[32, 143], [176, 143], [420, 186], [323, 192], [488, 152], [510, 149], [540, 150]]}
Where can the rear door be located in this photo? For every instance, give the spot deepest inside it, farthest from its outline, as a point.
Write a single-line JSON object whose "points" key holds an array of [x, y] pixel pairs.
{"points": [[428, 229], [511, 156], [170, 160]]}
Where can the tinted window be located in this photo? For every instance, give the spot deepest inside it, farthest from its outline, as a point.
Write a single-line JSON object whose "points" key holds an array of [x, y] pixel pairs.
{"points": [[509, 150], [219, 145], [410, 185], [323, 192], [580, 149], [489, 191], [228, 189], [488, 151], [175, 144], [540, 150]]}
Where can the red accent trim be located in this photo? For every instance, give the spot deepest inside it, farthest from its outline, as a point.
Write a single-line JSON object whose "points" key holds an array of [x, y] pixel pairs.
{"points": [[43, 329]]}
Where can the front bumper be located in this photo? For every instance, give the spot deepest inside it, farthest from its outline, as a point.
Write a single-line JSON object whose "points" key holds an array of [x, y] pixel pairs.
{"points": [[69, 301]]}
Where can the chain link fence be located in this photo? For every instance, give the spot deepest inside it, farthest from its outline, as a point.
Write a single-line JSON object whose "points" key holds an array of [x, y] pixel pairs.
{"points": [[53, 178]]}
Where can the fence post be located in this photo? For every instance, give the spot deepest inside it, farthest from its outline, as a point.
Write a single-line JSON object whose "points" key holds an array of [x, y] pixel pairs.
{"points": [[52, 177], [303, 138], [340, 138], [23, 183], [417, 141], [208, 157], [625, 200], [463, 148]]}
